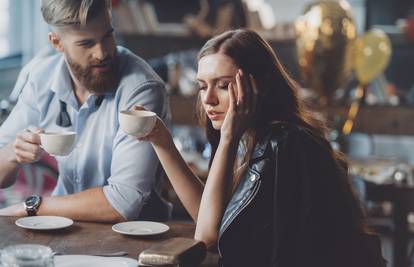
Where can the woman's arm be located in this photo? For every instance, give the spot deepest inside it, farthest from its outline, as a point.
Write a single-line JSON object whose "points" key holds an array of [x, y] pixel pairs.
{"points": [[216, 192], [185, 183], [219, 183]]}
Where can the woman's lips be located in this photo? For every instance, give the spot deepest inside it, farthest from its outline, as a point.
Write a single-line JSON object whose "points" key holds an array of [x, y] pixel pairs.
{"points": [[213, 115]]}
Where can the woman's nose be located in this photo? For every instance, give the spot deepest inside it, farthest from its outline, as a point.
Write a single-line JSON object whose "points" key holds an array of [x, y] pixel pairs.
{"points": [[210, 97]]}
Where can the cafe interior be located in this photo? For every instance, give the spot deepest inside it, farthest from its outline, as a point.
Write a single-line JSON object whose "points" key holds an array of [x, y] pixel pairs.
{"points": [[352, 59]]}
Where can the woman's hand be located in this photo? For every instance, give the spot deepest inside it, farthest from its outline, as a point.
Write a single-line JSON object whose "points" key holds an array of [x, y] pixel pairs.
{"points": [[159, 135], [242, 107]]}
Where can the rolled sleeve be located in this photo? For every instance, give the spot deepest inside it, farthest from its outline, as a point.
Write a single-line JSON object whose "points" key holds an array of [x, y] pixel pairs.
{"points": [[135, 165], [134, 169]]}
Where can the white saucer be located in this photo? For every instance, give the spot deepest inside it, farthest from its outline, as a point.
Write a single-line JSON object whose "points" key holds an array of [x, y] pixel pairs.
{"points": [[87, 261], [44, 222], [140, 228]]}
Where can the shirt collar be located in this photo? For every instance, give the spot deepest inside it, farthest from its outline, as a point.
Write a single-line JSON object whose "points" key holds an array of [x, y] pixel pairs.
{"points": [[61, 82]]}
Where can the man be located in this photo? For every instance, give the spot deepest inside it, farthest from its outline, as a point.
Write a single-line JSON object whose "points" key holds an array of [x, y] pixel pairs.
{"points": [[109, 176]]}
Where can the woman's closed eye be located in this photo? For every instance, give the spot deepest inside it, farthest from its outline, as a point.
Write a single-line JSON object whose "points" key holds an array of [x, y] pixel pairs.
{"points": [[201, 87], [223, 86]]}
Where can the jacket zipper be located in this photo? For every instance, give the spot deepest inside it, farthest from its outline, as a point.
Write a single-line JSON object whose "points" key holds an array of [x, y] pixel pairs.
{"points": [[255, 190]]}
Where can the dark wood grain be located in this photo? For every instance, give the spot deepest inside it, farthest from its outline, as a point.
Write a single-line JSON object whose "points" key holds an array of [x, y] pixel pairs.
{"points": [[93, 238]]}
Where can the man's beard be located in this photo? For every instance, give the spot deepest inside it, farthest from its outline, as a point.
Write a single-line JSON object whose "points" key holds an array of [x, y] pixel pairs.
{"points": [[100, 82]]}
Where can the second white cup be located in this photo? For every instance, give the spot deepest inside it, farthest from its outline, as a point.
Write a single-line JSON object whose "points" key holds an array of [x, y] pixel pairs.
{"points": [[137, 123]]}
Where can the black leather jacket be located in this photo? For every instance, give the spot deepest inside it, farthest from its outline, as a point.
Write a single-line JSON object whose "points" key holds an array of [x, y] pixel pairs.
{"points": [[293, 222]]}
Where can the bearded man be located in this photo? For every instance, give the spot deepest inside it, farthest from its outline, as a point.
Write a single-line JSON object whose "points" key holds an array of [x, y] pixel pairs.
{"points": [[109, 176]]}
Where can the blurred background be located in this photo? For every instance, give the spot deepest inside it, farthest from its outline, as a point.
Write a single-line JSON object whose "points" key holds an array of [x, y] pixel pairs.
{"points": [[353, 59]]}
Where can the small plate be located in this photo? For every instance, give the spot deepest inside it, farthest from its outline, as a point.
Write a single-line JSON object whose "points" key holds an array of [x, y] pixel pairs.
{"points": [[140, 228], [44, 222], [87, 261]]}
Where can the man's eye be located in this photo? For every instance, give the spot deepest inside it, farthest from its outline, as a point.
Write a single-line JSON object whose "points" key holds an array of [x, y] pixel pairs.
{"points": [[86, 44]]}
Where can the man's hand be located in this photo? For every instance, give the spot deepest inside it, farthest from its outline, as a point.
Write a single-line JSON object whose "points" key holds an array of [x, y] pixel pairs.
{"points": [[27, 145], [16, 210]]}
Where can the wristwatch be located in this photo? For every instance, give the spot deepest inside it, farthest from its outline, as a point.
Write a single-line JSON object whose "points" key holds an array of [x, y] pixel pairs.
{"points": [[31, 204]]}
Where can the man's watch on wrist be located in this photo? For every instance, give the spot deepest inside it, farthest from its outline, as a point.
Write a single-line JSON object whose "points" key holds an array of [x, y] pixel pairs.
{"points": [[31, 204]]}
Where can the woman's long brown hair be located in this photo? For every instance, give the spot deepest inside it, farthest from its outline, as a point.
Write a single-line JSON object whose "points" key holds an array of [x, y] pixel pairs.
{"points": [[277, 99]]}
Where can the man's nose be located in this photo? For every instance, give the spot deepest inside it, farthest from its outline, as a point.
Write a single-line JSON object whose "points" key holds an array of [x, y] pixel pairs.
{"points": [[100, 51]]}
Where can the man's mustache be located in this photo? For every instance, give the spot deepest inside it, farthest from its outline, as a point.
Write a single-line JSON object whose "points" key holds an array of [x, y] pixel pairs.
{"points": [[102, 62]]}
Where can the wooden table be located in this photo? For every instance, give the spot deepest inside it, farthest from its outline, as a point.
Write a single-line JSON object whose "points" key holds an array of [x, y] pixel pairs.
{"points": [[92, 238]]}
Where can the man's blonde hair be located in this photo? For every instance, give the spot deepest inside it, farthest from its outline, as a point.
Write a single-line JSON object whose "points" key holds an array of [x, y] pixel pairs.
{"points": [[72, 12]]}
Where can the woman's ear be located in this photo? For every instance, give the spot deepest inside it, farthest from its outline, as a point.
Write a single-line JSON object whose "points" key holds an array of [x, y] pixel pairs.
{"points": [[56, 41]]}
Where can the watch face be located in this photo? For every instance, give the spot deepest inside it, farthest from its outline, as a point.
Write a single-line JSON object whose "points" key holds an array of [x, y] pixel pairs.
{"points": [[32, 201]]}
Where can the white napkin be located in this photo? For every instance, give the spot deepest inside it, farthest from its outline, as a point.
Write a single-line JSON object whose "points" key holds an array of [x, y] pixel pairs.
{"points": [[87, 261]]}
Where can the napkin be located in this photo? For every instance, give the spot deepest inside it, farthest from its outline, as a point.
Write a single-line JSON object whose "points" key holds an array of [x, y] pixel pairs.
{"points": [[88, 261]]}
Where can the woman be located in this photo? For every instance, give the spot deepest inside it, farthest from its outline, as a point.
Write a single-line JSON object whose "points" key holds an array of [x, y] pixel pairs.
{"points": [[276, 193]]}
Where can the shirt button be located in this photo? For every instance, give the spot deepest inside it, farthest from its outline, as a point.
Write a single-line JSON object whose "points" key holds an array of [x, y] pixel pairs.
{"points": [[77, 180], [254, 177]]}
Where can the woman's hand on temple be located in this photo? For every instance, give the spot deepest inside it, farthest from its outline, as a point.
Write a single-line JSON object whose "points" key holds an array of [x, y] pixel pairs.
{"points": [[242, 107]]}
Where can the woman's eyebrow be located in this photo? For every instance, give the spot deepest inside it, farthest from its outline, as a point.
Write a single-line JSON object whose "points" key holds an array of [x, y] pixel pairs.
{"points": [[218, 78]]}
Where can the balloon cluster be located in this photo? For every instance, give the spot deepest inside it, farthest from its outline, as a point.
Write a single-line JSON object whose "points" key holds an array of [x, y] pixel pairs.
{"points": [[328, 48]]}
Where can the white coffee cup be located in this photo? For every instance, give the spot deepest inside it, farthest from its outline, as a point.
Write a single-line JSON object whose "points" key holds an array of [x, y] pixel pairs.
{"points": [[58, 143], [137, 123]]}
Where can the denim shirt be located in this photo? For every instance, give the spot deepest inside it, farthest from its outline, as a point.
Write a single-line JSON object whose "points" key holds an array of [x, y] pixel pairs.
{"points": [[128, 170]]}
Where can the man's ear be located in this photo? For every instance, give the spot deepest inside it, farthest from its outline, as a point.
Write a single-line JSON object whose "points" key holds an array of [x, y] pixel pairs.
{"points": [[55, 41]]}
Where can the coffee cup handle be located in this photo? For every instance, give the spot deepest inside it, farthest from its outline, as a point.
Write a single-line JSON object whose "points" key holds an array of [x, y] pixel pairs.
{"points": [[40, 145]]}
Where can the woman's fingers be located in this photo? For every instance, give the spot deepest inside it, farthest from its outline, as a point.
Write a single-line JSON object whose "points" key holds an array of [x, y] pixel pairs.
{"points": [[239, 88], [152, 134], [232, 96], [246, 92]]}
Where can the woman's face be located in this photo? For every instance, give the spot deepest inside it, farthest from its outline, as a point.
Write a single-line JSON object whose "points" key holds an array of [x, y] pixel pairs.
{"points": [[215, 72]]}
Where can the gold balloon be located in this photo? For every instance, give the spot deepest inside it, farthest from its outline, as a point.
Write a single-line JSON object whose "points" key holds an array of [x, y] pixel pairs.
{"points": [[372, 55], [325, 36]]}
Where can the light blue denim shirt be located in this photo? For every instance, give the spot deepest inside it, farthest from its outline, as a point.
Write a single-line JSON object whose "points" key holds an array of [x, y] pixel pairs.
{"points": [[104, 156]]}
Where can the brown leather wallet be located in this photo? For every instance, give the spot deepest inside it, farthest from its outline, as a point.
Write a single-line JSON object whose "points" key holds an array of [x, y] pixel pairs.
{"points": [[178, 251]]}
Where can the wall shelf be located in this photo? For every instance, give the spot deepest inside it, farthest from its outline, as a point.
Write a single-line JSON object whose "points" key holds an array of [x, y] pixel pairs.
{"points": [[392, 120], [370, 119]]}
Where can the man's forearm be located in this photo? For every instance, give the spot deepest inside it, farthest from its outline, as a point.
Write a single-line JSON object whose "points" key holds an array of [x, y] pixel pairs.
{"points": [[8, 166], [88, 205]]}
